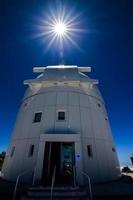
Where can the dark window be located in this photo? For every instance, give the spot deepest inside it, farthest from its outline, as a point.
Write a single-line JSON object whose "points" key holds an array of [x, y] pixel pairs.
{"points": [[99, 105], [113, 149], [37, 117], [12, 151], [31, 150], [25, 104], [89, 150], [61, 115]]}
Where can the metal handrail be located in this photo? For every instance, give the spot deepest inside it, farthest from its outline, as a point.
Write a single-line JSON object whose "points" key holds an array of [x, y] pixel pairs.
{"points": [[33, 179], [17, 181], [89, 181], [74, 176], [53, 181]]}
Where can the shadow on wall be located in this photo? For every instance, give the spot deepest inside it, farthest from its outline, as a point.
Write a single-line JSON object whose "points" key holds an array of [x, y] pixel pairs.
{"points": [[60, 131]]}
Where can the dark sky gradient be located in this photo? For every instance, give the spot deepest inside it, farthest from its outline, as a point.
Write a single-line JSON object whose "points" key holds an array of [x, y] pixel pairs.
{"points": [[108, 47]]}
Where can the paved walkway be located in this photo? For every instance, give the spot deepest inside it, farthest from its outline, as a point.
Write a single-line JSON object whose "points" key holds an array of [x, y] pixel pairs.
{"points": [[123, 186]]}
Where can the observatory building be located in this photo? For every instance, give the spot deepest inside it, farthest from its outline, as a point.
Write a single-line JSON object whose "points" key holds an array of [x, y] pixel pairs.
{"points": [[62, 125]]}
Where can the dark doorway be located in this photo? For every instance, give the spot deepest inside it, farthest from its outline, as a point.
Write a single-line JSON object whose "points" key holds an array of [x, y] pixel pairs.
{"points": [[61, 156]]}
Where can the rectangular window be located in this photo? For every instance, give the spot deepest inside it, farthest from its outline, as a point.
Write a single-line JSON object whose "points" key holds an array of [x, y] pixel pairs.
{"points": [[37, 117], [113, 149], [12, 151], [31, 150], [61, 115], [89, 150]]}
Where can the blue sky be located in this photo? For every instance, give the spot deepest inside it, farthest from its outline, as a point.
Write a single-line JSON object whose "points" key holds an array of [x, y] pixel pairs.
{"points": [[107, 46]]}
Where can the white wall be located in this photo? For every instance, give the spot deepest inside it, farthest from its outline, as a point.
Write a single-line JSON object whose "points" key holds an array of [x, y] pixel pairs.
{"points": [[83, 116]]}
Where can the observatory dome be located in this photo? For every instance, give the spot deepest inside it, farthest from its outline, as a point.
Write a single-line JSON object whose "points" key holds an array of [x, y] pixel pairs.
{"points": [[62, 123]]}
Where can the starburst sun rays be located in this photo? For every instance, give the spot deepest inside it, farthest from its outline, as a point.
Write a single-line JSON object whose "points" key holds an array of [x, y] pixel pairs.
{"points": [[59, 27]]}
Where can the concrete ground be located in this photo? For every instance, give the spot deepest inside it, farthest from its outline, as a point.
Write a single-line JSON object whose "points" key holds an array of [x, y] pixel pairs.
{"points": [[7, 189], [121, 189]]}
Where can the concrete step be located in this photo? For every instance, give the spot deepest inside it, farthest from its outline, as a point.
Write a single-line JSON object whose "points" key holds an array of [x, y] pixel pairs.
{"points": [[58, 194], [63, 193], [48, 189], [57, 198]]}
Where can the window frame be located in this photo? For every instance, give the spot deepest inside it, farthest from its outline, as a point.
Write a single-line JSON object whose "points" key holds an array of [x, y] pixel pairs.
{"points": [[12, 151], [99, 105], [34, 119], [89, 151], [113, 149], [31, 150], [59, 111]]}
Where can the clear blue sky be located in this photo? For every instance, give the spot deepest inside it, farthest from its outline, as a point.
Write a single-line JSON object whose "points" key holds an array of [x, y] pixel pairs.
{"points": [[107, 46]]}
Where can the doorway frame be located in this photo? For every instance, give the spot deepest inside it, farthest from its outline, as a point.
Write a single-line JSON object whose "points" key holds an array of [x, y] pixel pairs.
{"points": [[50, 160], [75, 138]]}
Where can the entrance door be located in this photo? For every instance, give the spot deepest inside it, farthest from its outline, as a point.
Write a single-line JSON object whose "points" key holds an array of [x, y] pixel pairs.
{"points": [[61, 156]]}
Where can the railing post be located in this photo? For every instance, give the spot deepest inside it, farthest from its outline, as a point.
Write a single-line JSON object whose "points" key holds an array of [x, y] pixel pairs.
{"points": [[53, 180], [89, 182], [33, 180], [16, 184], [74, 176], [15, 190]]}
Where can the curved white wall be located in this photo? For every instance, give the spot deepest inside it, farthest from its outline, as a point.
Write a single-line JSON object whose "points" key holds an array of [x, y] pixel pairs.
{"points": [[85, 116]]}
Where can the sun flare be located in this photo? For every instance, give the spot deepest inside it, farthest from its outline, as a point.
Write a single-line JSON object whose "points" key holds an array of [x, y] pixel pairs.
{"points": [[60, 29]]}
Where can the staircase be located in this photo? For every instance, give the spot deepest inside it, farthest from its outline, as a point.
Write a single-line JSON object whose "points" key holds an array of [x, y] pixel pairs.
{"points": [[59, 193]]}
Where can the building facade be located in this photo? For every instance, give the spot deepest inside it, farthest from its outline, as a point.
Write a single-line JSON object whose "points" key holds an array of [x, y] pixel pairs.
{"points": [[62, 125]]}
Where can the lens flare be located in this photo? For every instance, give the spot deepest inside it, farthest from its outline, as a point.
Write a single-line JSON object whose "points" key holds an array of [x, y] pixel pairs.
{"points": [[60, 29]]}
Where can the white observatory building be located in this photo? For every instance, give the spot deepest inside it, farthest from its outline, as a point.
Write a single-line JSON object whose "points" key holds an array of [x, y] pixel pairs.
{"points": [[62, 124]]}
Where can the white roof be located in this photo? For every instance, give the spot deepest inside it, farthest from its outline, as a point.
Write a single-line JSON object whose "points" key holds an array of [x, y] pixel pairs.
{"points": [[80, 69], [61, 73]]}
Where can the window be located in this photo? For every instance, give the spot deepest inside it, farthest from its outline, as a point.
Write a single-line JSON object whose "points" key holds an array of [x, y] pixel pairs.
{"points": [[12, 151], [113, 149], [31, 150], [99, 105], [89, 150], [37, 117], [61, 115]]}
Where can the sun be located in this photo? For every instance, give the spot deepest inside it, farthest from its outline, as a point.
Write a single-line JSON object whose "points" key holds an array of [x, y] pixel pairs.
{"points": [[60, 29]]}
